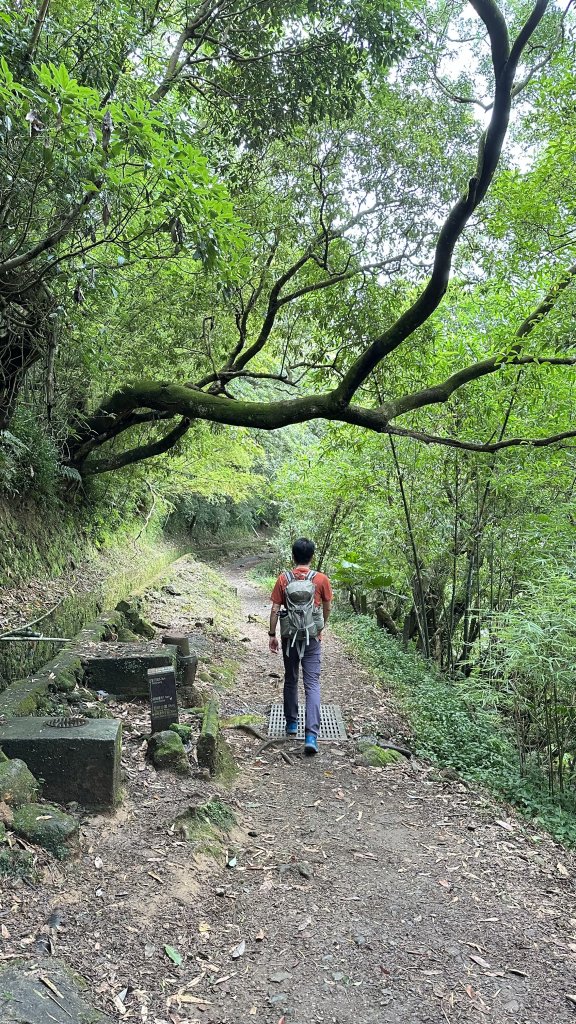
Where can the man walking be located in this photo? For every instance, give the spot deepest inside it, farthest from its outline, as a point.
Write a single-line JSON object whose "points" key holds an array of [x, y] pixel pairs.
{"points": [[301, 600]]}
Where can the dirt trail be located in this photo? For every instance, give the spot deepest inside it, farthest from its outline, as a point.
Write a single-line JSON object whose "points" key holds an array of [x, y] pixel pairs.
{"points": [[373, 896]]}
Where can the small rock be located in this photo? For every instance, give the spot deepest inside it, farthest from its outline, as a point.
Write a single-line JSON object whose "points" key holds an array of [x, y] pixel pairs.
{"points": [[305, 870], [280, 976], [167, 751], [376, 757], [6, 814], [277, 997], [17, 784], [47, 826]]}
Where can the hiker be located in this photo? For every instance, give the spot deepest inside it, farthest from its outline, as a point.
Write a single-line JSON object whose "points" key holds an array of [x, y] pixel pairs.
{"points": [[301, 600]]}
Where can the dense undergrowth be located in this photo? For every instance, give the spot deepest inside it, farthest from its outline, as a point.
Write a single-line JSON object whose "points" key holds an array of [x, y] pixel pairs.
{"points": [[451, 729]]}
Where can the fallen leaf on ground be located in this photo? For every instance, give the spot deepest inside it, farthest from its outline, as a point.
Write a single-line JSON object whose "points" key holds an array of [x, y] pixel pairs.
{"points": [[238, 950], [480, 961], [504, 824], [562, 870], [49, 984], [173, 955], [119, 1005], [98, 863]]}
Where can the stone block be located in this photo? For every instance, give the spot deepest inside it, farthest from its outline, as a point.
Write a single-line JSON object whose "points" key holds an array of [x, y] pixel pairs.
{"points": [[80, 763], [122, 669], [207, 746]]}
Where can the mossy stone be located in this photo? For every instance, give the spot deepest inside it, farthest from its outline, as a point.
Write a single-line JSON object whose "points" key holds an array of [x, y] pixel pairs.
{"points": [[2, 832], [375, 757], [17, 784], [47, 826], [181, 730], [127, 635], [3, 757], [167, 751], [207, 827]]}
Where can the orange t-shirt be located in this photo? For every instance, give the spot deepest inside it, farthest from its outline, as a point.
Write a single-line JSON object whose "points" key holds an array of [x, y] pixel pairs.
{"points": [[320, 581]]}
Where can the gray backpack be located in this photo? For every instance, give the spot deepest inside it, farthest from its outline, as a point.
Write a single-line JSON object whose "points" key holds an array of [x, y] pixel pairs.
{"points": [[300, 622]]}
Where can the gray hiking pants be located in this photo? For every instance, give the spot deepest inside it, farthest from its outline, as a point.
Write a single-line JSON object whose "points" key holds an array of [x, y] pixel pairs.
{"points": [[311, 677]]}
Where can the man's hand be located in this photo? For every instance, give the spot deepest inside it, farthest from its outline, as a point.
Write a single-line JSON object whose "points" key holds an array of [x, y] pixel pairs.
{"points": [[274, 645], [319, 637]]}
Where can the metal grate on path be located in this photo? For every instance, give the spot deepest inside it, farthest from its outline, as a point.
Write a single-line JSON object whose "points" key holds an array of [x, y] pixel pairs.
{"points": [[331, 723]]}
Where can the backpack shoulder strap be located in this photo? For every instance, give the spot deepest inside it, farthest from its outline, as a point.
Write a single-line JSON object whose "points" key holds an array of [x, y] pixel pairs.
{"points": [[289, 576], [310, 575]]}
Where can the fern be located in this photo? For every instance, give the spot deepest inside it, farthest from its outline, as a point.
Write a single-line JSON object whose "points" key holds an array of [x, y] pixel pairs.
{"points": [[13, 442], [70, 473]]}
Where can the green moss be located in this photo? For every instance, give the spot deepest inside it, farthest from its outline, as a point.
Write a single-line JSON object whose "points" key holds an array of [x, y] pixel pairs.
{"points": [[167, 751], [223, 676], [226, 767], [237, 720], [126, 636], [17, 784], [375, 757], [18, 864], [207, 827], [47, 826], [183, 731]]}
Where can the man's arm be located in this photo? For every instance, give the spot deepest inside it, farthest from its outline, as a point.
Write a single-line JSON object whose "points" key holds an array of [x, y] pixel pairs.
{"points": [[326, 609], [274, 612]]}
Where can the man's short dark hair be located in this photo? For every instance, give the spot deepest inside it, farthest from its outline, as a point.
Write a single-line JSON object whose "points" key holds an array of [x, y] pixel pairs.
{"points": [[303, 551]]}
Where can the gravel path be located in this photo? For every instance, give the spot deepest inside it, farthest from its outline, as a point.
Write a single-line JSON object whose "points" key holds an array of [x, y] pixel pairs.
{"points": [[364, 895]]}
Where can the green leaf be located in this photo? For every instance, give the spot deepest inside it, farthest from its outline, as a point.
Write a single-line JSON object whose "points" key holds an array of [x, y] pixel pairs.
{"points": [[173, 955]]}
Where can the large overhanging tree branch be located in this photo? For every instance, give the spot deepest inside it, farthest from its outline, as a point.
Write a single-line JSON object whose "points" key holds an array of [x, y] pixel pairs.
{"points": [[442, 392], [505, 63], [193, 403], [142, 452]]}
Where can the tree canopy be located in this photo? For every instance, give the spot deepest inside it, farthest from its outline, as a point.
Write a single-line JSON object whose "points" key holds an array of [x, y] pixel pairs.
{"points": [[260, 215]]}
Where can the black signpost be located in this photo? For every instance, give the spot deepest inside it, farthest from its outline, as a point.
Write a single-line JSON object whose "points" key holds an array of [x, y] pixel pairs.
{"points": [[163, 701]]}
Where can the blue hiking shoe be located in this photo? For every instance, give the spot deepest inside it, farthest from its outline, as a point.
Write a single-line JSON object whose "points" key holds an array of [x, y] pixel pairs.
{"points": [[292, 728], [310, 744]]}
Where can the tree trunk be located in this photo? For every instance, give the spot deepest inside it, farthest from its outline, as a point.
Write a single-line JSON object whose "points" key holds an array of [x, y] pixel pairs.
{"points": [[17, 357]]}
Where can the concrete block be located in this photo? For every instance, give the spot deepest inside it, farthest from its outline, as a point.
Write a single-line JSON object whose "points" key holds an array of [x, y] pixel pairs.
{"points": [[79, 763], [207, 746], [122, 669]]}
